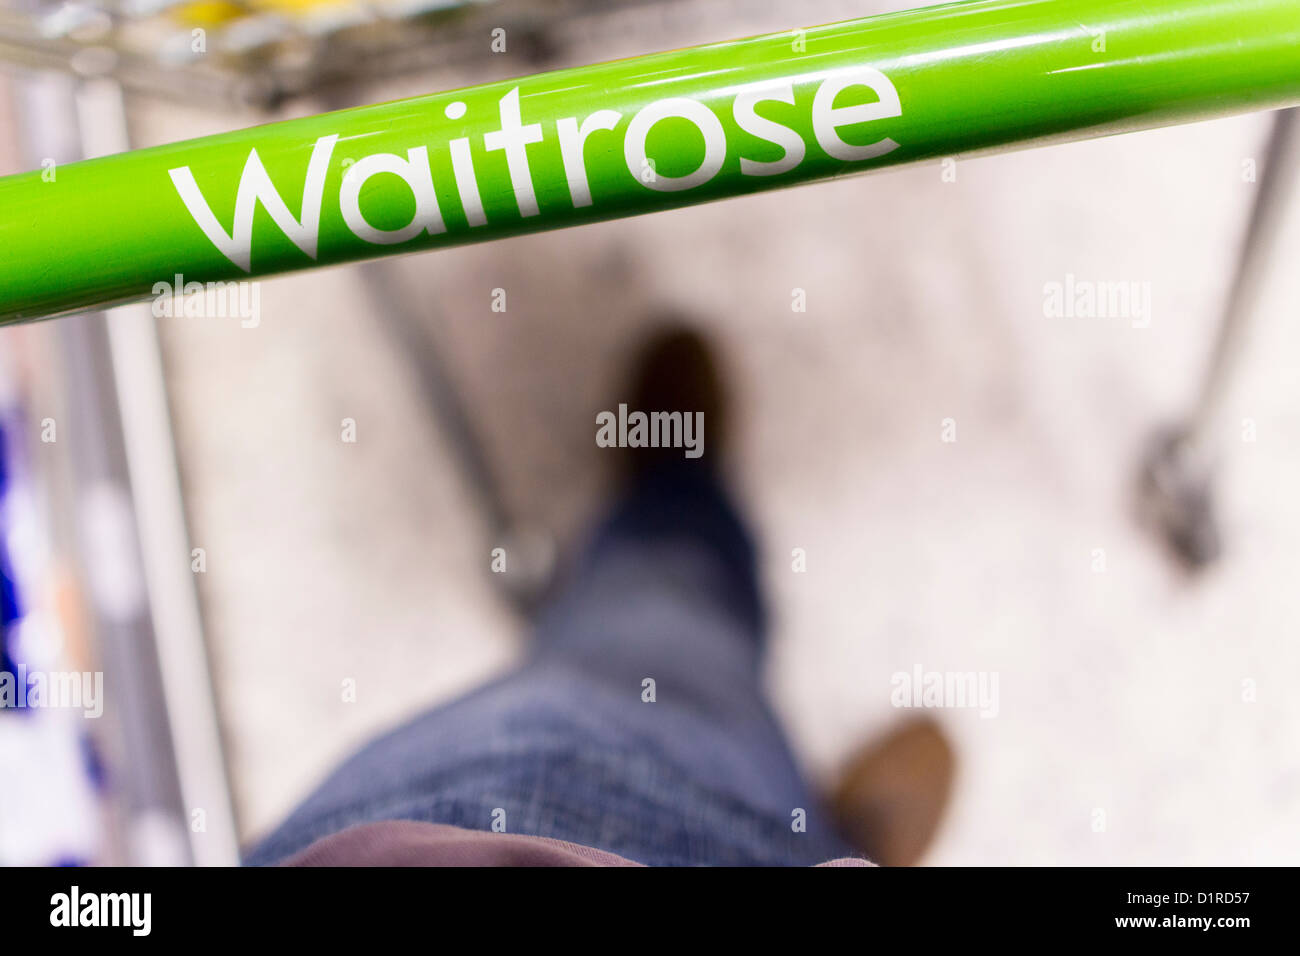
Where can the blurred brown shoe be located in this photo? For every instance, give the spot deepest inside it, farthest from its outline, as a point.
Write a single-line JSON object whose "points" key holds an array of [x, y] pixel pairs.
{"points": [[676, 370], [893, 793]]}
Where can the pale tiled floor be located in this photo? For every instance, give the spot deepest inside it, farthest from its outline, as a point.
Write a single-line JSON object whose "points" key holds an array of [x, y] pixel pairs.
{"points": [[1120, 691]]}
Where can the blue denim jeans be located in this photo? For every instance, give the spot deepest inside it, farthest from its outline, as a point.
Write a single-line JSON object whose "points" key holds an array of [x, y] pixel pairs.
{"points": [[636, 725]]}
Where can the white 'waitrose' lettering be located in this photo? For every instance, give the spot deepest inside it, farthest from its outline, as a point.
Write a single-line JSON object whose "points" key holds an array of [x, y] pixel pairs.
{"points": [[513, 139]]}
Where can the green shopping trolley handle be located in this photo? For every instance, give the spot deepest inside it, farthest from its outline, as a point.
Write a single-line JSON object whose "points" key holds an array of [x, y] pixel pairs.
{"points": [[632, 136]]}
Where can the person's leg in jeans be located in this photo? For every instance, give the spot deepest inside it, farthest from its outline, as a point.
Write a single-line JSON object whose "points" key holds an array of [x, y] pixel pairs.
{"points": [[637, 725]]}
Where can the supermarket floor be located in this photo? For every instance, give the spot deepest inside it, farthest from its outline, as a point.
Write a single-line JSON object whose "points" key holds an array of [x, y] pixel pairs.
{"points": [[1144, 716]]}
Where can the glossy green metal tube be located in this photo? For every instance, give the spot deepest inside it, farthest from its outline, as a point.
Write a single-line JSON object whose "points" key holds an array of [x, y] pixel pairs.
{"points": [[632, 136]]}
